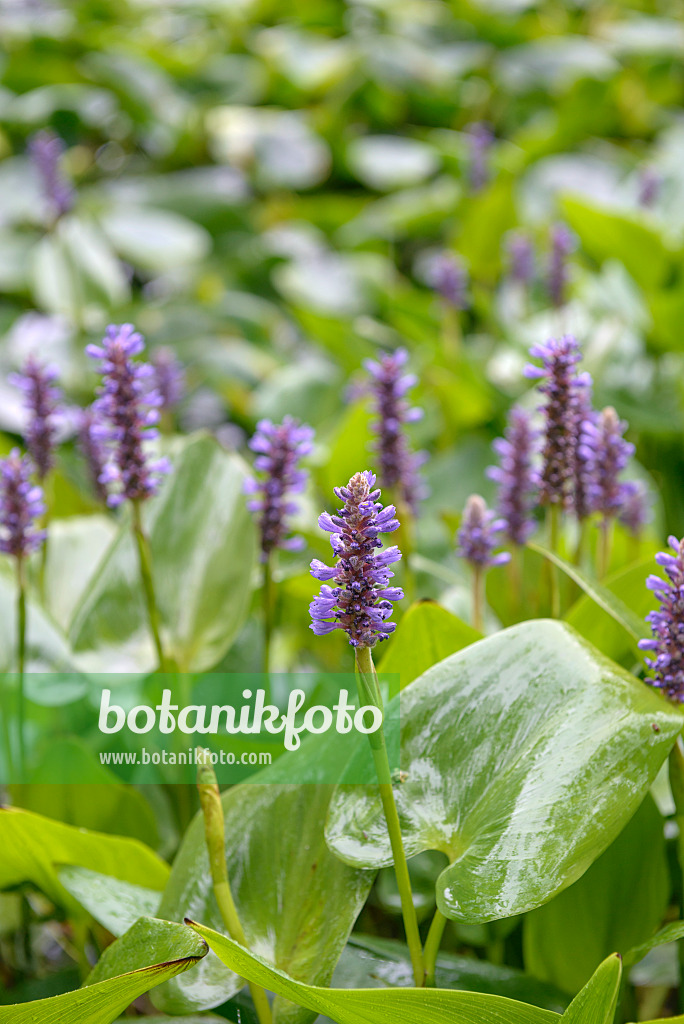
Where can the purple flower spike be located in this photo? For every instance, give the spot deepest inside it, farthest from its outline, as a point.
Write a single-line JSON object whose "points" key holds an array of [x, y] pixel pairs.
{"points": [[169, 377], [42, 398], [448, 276], [520, 257], [478, 535], [562, 244], [481, 139], [46, 150], [356, 595], [667, 624], [127, 409], [562, 387], [635, 507], [399, 466], [21, 504], [607, 453], [279, 449], [94, 451], [650, 184], [583, 487], [516, 476]]}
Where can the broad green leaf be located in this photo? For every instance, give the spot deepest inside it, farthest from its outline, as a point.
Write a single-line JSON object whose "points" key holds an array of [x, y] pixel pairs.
{"points": [[297, 901], [617, 903], [599, 594], [597, 1002], [670, 933], [371, 962], [75, 549], [625, 236], [203, 549], [101, 1002], [524, 756], [155, 240], [47, 647], [32, 847], [117, 905], [426, 634], [349, 449], [377, 1006]]}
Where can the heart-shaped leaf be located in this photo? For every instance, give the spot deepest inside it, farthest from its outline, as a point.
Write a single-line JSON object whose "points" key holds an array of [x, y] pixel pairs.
{"points": [[101, 1001], [203, 550], [32, 847], [426, 634], [297, 902], [374, 1005], [617, 903], [524, 756], [597, 1002]]}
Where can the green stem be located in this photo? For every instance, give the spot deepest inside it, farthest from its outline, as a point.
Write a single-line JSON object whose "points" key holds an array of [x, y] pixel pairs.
{"points": [[214, 829], [676, 772], [554, 533], [369, 689], [268, 597], [407, 546], [21, 663], [581, 548], [605, 544], [478, 598], [432, 944], [145, 559], [451, 331]]}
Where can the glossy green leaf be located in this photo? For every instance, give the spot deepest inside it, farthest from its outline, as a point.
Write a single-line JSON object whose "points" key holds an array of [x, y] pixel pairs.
{"points": [[371, 962], [619, 902], [524, 757], [377, 1006], [608, 601], [426, 634], [297, 902], [203, 549], [101, 1001], [76, 547], [116, 904], [597, 1002], [33, 846]]}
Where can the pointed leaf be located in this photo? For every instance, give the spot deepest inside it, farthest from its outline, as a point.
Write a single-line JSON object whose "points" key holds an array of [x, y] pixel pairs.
{"points": [[103, 1001], [377, 1006], [597, 1002], [524, 756], [426, 634]]}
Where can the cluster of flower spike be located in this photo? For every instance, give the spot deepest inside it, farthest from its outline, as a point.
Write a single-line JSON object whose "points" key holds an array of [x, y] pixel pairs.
{"points": [[356, 596], [279, 448], [46, 151], [479, 535], [21, 505], [43, 399], [667, 624]]}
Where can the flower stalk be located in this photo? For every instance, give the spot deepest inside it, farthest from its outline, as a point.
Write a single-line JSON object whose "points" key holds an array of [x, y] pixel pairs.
{"points": [[214, 830], [147, 580]]}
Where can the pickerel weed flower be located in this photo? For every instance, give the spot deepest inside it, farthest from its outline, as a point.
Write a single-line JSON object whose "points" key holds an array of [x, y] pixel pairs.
{"points": [[606, 453], [562, 244], [447, 274], [583, 486], [635, 507], [46, 150], [562, 386], [21, 505], [94, 452], [650, 184], [127, 409], [279, 448], [479, 535], [517, 476], [169, 377], [667, 624], [520, 257], [399, 466], [356, 596], [481, 140], [42, 399]]}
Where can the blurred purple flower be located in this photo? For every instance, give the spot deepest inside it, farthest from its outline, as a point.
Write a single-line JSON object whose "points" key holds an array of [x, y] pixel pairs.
{"points": [[635, 507], [399, 466], [359, 599], [562, 386], [42, 400], [94, 451], [481, 140], [479, 535], [584, 471], [21, 504], [169, 376], [127, 409], [650, 184], [607, 454], [447, 274], [516, 476], [46, 150], [562, 244], [520, 252], [667, 624], [279, 448]]}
